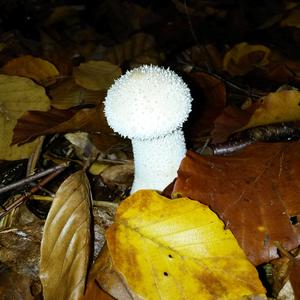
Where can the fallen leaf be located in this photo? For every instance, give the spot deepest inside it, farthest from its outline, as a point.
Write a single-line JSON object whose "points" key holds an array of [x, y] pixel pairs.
{"points": [[66, 241], [103, 277], [243, 58], [138, 50], [35, 123], [255, 192], [292, 20], [96, 75], [177, 249], [294, 277], [229, 121], [205, 111], [281, 106], [18, 95], [68, 94], [32, 67]]}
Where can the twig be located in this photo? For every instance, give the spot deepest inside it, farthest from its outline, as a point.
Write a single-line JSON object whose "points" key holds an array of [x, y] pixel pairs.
{"points": [[23, 198], [31, 178]]}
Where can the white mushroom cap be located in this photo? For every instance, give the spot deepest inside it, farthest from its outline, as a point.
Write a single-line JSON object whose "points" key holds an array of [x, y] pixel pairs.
{"points": [[147, 102]]}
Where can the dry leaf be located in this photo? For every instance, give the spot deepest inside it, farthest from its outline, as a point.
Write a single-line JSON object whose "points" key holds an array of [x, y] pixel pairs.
{"points": [[96, 75], [243, 58], [35, 68], [68, 94], [177, 249], [255, 192], [65, 247], [17, 95], [282, 106]]}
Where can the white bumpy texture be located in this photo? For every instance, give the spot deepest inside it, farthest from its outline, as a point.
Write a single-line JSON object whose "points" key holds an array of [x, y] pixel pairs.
{"points": [[149, 105]]}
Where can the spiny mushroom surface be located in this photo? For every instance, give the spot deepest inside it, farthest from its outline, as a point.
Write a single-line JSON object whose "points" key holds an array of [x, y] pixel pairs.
{"points": [[149, 105]]}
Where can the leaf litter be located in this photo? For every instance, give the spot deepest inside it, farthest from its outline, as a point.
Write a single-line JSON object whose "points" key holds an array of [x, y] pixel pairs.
{"points": [[243, 77]]}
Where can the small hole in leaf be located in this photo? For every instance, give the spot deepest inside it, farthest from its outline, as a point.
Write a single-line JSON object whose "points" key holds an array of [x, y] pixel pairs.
{"points": [[294, 220], [170, 256], [298, 103], [166, 274]]}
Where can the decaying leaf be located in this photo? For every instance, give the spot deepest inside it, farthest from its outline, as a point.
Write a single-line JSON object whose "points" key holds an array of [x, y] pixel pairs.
{"points": [[243, 58], [17, 95], [65, 247], [96, 75], [177, 249], [255, 192], [32, 67]]}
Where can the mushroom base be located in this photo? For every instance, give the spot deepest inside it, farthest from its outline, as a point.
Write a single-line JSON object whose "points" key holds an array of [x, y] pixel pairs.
{"points": [[156, 161]]}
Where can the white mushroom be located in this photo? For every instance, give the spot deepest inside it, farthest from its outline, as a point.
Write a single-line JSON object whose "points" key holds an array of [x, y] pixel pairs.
{"points": [[149, 105]]}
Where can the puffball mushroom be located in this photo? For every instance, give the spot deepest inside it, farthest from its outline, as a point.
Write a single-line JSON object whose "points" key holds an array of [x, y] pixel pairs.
{"points": [[149, 104]]}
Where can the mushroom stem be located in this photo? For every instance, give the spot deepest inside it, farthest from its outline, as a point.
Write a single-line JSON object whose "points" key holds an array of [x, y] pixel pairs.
{"points": [[158, 160]]}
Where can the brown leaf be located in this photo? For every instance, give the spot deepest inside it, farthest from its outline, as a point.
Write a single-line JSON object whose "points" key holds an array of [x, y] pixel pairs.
{"points": [[34, 124], [206, 111], [230, 120], [65, 247], [255, 192]]}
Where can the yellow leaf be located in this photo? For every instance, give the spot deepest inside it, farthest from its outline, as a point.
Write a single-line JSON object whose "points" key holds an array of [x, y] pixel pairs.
{"points": [[35, 68], [66, 239], [243, 58], [282, 106], [178, 249], [96, 75], [18, 95]]}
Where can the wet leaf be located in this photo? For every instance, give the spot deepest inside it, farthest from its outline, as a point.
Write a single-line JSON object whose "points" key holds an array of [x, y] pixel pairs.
{"points": [[66, 240], [255, 192], [32, 67], [68, 94], [96, 75], [243, 58], [17, 96], [177, 249]]}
